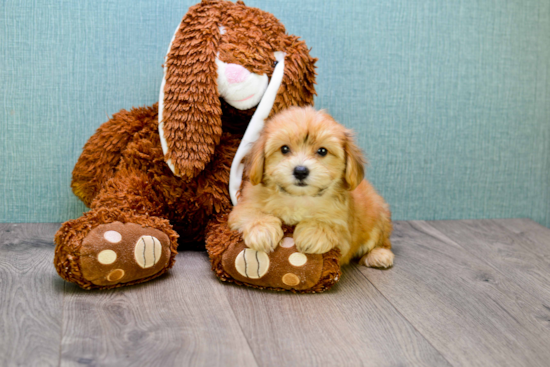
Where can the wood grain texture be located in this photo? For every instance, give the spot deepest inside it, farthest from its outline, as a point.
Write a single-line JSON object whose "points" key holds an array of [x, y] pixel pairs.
{"points": [[462, 293], [31, 296], [180, 319], [351, 325], [467, 309], [518, 248]]}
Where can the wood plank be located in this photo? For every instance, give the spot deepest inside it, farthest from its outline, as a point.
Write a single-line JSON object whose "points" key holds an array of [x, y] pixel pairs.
{"points": [[31, 296], [468, 292], [351, 325], [467, 309], [536, 236], [182, 318], [518, 248]]}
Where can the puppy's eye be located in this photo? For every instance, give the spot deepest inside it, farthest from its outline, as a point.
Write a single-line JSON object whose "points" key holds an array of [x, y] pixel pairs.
{"points": [[275, 63], [285, 149], [322, 152]]}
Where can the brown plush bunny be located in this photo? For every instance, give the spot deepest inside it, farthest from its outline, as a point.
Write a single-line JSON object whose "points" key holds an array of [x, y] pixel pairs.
{"points": [[153, 174]]}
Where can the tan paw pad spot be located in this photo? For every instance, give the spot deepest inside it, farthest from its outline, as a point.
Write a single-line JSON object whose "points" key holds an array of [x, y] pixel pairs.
{"points": [[115, 275], [148, 251], [106, 257], [291, 279], [252, 264], [112, 236], [287, 242], [297, 259]]}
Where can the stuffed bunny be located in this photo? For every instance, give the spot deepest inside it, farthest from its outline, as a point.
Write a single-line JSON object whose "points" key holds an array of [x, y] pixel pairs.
{"points": [[153, 174]]}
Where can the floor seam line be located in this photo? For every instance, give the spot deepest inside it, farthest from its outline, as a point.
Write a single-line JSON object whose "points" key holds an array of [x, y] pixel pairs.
{"points": [[242, 331], [237, 320], [62, 323], [511, 280], [405, 318]]}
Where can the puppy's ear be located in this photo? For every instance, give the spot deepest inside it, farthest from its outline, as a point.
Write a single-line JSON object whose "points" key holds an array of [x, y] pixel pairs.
{"points": [[298, 85], [355, 163], [256, 161], [190, 110]]}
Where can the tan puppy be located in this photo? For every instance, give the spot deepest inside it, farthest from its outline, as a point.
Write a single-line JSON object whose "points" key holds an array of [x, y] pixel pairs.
{"points": [[305, 170]]}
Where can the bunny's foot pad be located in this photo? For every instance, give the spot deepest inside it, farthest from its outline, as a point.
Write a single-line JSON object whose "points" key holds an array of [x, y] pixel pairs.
{"points": [[120, 253], [114, 254], [283, 269]]}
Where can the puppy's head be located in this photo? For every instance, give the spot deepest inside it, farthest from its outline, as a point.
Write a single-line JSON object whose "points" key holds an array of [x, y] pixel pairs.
{"points": [[304, 152]]}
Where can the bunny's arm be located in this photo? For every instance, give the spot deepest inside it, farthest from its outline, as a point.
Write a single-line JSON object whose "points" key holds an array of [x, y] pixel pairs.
{"points": [[102, 153]]}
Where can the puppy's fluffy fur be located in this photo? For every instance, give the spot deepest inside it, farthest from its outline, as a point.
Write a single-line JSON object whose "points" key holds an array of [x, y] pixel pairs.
{"points": [[327, 198]]}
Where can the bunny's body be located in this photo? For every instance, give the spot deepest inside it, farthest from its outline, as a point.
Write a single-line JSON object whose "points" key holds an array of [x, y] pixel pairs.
{"points": [[131, 175], [153, 174]]}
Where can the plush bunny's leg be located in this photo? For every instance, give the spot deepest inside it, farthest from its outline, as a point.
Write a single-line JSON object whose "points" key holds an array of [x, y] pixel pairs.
{"points": [[121, 241], [285, 268]]}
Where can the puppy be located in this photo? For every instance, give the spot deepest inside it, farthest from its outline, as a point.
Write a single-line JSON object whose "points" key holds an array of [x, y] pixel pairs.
{"points": [[305, 170]]}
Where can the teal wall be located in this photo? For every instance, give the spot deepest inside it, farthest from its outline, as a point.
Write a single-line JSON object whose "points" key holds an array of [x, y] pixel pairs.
{"points": [[450, 99]]}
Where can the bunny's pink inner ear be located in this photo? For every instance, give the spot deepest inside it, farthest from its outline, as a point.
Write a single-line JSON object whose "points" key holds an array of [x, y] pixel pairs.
{"points": [[189, 108]]}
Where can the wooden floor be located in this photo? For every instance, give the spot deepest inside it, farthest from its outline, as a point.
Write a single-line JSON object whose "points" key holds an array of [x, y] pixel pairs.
{"points": [[461, 293]]}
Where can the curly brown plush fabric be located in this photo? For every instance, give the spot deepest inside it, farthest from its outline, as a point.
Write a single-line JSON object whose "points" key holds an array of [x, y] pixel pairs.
{"points": [[220, 240], [72, 233], [122, 173], [192, 110]]}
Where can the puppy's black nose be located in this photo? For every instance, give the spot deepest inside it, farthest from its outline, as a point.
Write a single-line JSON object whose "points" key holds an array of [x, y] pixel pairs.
{"points": [[301, 172]]}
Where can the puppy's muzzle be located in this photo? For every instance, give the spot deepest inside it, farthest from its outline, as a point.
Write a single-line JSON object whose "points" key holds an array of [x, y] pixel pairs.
{"points": [[301, 172]]}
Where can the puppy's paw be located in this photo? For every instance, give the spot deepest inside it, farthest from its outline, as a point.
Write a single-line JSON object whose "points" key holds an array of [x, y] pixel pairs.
{"points": [[312, 240], [263, 234], [378, 258]]}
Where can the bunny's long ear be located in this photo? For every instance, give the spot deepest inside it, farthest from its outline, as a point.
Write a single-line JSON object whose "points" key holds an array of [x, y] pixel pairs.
{"points": [[298, 86], [190, 124]]}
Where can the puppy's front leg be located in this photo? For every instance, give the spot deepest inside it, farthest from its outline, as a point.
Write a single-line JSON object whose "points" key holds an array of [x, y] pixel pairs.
{"points": [[261, 232], [315, 237]]}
